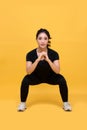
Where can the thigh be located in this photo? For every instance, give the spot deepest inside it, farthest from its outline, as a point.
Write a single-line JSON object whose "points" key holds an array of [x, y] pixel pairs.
{"points": [[55, 79], [31, 79]]}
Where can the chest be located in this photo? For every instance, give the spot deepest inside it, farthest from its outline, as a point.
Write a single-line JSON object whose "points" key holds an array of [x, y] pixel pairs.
{"points": [[43, 66]]}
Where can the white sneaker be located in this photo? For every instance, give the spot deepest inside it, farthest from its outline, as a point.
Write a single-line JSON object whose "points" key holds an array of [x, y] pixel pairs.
{"points": [[67, 107], [22, 106]]}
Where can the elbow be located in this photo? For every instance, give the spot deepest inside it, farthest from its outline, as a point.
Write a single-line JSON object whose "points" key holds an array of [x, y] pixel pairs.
{"points": [[58, 71], [27, 71]]}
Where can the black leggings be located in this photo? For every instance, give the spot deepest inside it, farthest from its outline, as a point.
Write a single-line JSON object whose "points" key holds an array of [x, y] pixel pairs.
{"points": [[55, 79]]}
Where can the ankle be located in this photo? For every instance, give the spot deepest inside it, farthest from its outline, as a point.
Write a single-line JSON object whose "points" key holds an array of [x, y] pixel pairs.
{"points": [[23, 102], [66, 102]]}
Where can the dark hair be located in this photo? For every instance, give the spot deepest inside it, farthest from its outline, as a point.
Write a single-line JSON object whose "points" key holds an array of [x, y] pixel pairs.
{"points": [[46, 32]]}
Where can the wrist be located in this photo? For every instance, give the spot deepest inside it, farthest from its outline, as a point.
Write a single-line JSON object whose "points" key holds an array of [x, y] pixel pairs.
{"points": [[37, 60], [48, 60]]}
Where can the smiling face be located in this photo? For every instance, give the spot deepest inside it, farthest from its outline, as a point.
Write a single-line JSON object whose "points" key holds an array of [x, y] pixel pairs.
{"points": [[42, 40]]}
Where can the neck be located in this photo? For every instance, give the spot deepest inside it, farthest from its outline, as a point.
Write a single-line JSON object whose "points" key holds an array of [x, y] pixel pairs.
{"points": [[41, 49]]}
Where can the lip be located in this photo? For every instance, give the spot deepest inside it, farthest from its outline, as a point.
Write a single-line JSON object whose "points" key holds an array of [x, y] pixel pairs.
{"points": [[42, 44]]}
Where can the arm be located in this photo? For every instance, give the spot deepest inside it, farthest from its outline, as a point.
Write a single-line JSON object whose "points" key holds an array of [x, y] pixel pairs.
{"points": [[55, 66], [30, 67]]}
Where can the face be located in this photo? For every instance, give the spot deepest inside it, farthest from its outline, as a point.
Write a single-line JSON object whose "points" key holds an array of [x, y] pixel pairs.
{"points": [[42, 40]]}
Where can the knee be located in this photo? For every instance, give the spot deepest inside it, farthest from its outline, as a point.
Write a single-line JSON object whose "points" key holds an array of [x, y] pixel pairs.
{"points": [[25, 80], [62, 80]]}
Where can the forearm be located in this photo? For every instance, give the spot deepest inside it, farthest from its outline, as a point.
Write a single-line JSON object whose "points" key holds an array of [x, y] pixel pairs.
{"points": [[55, 68], [32, 67]]}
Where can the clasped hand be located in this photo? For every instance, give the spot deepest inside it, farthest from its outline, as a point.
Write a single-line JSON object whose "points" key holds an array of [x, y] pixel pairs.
{"points": [[43, 55]]}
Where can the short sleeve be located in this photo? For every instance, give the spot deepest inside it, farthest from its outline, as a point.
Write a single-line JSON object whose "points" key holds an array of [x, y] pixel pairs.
{"points": [[28, 57], [56, 56]]}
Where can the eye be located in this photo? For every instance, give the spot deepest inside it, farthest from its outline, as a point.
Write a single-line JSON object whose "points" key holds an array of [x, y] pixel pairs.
{"points": [[40, 38], [45, 38]]}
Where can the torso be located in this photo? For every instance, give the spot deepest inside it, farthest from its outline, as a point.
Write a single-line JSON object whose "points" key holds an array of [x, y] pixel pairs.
{"points": [[43, 69]]}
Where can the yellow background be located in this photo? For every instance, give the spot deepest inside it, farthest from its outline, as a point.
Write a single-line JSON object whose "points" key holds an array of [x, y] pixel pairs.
{"points": [[67, 23]]}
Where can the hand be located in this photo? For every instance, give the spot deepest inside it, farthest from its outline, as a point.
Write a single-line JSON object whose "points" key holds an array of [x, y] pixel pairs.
{"points": [[43, 55]]}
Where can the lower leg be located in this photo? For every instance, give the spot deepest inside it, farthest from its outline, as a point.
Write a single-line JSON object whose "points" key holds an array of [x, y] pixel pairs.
{"points": [[64, 94], [24, 93], [63, 90], [28, 80]]}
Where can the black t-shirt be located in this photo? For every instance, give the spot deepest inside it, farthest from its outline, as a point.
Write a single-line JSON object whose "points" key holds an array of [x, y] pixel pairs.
{"points": [[43, 69]]}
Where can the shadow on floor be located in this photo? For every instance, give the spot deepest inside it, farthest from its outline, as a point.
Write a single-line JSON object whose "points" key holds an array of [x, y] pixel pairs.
{"points": [[56, 100]]}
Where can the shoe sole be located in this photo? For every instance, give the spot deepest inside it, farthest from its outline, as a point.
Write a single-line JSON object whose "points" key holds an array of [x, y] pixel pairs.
{"points": [[67, 110], [21, 110]]}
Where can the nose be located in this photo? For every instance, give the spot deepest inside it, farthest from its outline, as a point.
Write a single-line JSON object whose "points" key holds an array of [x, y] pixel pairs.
{"points": [[42, 41]]}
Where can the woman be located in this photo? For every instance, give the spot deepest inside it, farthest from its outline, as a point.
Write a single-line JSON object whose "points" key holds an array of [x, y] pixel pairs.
{"points": [[42, 66]]}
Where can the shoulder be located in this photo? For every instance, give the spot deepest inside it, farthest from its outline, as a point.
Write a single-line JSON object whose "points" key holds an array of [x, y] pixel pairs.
{"points": [[31, 52], [53, 55], [52, 51], [31, 55]]}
